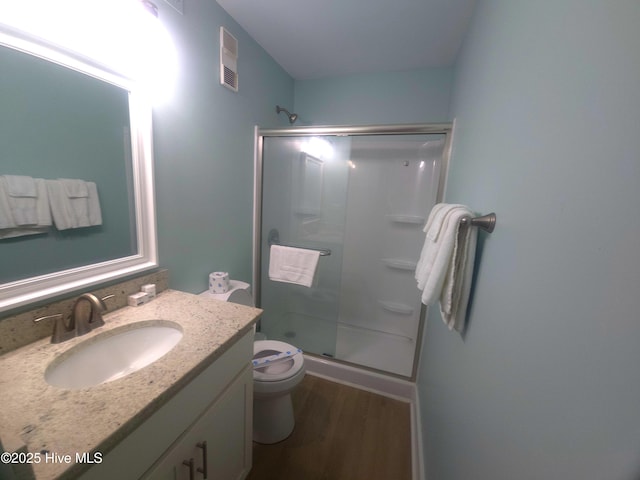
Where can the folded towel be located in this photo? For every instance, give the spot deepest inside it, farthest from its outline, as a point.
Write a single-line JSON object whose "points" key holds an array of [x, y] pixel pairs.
{"points": [[6, 218], [457, 284], [74, 188], [293, 265], [74, 211], [20, 186], [435, 256], [95, 213], [22, 199], [445, 266], [435, 222], [9, 227], [61, 210], [42, 207]]}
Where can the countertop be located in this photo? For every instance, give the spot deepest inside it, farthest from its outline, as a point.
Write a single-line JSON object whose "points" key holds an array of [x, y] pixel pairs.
{"points": [[38, 417]]}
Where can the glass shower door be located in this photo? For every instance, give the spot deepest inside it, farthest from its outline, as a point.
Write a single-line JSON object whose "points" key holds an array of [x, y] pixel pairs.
{"points": [[365, 198], [304, 198]]}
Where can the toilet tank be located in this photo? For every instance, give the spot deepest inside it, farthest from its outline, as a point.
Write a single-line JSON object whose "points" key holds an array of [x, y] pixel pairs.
{"points": [[239, 292], [242, 297]]}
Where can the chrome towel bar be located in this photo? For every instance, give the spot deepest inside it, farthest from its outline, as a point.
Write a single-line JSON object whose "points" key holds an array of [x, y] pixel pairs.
{"points": [[274, 239]]}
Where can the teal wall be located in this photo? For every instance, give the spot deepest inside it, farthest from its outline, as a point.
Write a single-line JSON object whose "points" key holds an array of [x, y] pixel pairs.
{"points": [[415, 96], [545, 383], [203, 148]]}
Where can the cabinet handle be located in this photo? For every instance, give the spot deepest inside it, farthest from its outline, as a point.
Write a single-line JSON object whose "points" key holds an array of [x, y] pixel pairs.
{"points": [[203, 470], [190, 464]]}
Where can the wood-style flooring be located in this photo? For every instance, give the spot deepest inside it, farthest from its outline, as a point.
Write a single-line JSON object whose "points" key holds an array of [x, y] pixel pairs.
{"points": [[341, 433]]}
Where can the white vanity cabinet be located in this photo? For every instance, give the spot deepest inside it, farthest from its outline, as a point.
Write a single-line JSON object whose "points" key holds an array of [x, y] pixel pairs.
{"points": [[215, 447], [213, 413]]}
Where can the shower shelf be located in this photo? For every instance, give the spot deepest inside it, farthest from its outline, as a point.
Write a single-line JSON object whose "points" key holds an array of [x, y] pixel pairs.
{"points": [[412, 219], [400, 264], [395, 307]]}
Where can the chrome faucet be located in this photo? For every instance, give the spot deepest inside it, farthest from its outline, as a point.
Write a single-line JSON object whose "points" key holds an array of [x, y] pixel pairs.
{"points": [[85, 316]]}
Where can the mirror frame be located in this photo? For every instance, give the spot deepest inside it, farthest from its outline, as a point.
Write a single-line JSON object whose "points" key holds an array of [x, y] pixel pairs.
{"points": [[33, 289]]}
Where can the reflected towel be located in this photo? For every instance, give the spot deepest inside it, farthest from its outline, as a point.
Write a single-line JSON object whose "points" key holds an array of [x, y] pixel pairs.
{"points": [[445, 267], [73, 204], [22, 199], [6, 219], [293, 265], [9, 227], [74, 188]]}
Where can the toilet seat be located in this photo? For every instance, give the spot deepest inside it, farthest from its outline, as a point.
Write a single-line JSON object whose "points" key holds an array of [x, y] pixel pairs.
{"points": [[282, 370]]}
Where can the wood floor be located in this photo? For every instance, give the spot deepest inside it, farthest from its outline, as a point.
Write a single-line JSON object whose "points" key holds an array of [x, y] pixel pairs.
{"points": [[341, 433]]}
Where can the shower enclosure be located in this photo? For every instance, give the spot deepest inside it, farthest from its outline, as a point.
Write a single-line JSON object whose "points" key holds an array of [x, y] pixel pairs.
{"points": [[359, 195]]}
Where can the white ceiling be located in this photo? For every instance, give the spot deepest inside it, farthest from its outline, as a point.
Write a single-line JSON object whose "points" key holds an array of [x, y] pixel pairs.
{"points": [[326, 38]]}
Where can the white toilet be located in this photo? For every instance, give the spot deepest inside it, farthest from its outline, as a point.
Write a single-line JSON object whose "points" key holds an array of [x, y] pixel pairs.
{"points": [[272, 408]]}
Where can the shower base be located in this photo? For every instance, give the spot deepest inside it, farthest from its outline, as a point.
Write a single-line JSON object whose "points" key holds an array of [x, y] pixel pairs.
{"points": [[361, 346]]}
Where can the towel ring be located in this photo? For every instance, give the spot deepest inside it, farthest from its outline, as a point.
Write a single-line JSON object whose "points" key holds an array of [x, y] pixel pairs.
{"points": [[485, 222]]}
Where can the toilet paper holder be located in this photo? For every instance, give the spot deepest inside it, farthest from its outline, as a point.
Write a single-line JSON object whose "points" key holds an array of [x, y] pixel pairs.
{"points": [[274, 239]]}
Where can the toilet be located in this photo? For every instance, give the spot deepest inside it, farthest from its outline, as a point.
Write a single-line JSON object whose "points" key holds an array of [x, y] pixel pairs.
{"points": [[273, 419]]}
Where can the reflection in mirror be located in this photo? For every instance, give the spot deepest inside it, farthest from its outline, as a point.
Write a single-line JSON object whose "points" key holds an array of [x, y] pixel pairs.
{"points": [[307, 185], [63, 117]]}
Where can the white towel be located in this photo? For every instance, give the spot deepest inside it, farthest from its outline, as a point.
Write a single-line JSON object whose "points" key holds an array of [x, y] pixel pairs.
{"points": [[74, 188], [457, 284], [22, 199], [293, 265], [9, 227], [20, 186], [74, 204], [95, 213], [6, 218], [445, 268]]}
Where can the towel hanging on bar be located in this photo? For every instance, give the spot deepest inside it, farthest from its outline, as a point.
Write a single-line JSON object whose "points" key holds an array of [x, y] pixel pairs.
{"points": [[293, 265], [445, 267]]}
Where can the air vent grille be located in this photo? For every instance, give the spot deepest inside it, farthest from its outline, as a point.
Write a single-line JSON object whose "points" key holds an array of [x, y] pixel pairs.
{"points": [[228, 60], [230, 78]]}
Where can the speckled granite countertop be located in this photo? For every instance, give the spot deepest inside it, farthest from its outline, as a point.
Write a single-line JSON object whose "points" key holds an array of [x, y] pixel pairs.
{"points": [[40, 417]]}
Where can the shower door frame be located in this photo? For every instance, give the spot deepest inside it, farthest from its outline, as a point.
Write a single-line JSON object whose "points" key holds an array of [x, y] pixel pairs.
{"points": [[445, 129]]}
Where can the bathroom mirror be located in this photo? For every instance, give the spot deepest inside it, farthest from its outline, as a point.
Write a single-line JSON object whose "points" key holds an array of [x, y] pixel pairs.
{"points": [[64, 116]]}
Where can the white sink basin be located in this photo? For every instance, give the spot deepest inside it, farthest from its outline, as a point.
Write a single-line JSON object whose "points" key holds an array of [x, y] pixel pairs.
{"points": [[113, 354]]}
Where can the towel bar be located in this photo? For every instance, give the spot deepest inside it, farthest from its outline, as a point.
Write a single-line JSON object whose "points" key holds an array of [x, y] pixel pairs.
{"points": [[486, 222], [274, 239]]}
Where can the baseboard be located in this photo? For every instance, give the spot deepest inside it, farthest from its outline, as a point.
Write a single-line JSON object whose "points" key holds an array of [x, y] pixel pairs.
{"points": [[417, 445]]}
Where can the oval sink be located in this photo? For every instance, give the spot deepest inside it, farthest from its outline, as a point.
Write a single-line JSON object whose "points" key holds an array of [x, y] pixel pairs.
{"points": [[113, 354]]}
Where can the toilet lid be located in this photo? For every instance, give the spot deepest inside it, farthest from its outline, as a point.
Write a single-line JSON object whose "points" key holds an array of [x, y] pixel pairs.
{"points": [[280, 371]]}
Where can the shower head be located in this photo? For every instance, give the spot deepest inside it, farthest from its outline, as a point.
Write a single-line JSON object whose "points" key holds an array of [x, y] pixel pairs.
{"points": [[292, 116]]}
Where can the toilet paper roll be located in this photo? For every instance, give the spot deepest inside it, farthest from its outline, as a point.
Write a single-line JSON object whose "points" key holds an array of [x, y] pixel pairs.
{"points": [[219, 282]]}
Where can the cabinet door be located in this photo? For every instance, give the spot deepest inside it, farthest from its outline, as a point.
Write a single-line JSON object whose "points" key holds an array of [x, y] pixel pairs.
{"points": [[219, 443]]}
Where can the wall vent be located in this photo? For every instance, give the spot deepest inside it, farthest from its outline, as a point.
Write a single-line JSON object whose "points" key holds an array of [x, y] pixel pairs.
{"points": [[228, 60]]}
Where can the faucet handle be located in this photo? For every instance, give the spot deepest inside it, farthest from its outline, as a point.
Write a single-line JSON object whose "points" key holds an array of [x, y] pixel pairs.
{"points": [[61, 331], [47, 317]]}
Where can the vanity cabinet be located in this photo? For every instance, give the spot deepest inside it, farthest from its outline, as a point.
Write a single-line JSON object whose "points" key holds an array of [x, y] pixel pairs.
{"points": [[213, 412], [215, 447]]}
